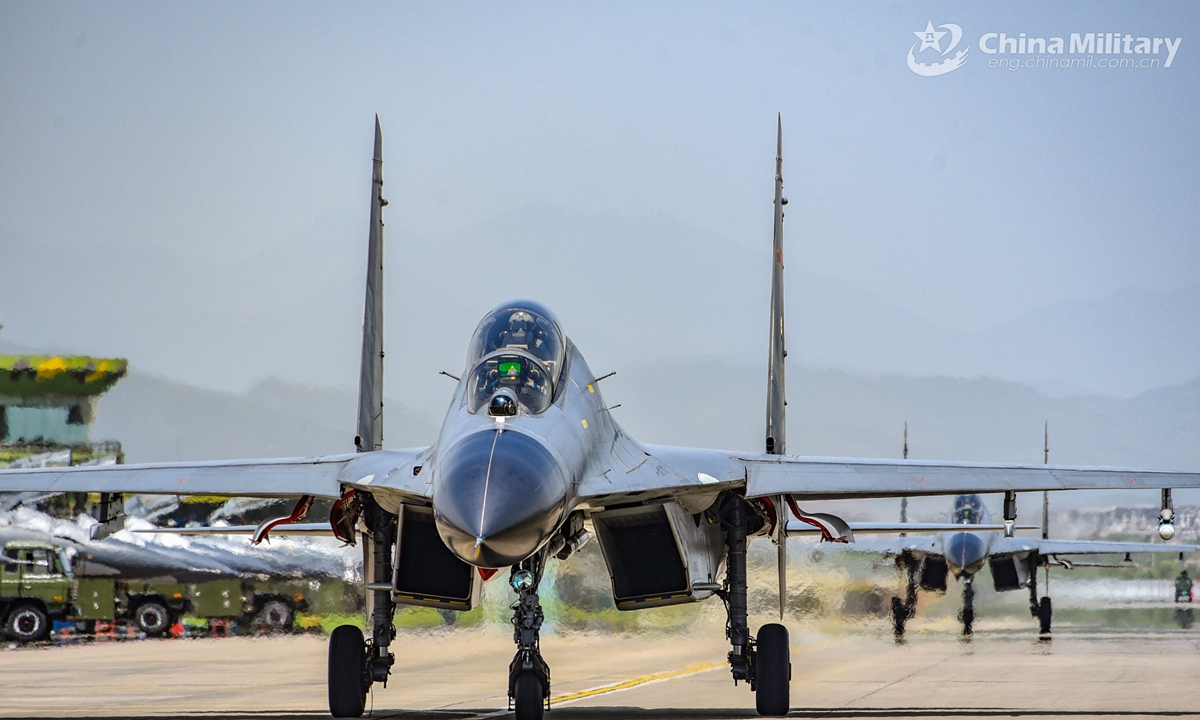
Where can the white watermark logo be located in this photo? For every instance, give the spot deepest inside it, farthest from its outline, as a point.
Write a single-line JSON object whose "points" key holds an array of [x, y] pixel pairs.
{"points": [[1022, 50], [931, 39]]}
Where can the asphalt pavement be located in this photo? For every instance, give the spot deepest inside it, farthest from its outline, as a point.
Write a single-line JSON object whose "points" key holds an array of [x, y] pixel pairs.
{"points": [[462, 674]]}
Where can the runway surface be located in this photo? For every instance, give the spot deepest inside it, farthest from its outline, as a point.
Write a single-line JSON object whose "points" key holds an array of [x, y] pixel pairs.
{"points": [[462, 674]]}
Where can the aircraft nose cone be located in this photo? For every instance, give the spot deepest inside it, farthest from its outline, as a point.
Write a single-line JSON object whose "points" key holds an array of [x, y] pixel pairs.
{"points": [[497, 495], [965, 553]]}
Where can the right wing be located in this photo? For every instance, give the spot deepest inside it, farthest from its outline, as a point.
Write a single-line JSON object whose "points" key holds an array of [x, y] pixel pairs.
{"points": [[289, 529], [886, 528], [1084, 547], [389, 470]]}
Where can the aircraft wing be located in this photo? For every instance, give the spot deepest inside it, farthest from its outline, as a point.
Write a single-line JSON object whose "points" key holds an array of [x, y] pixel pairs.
{"points": [[702, 472], [1005, 546], [889, 547], [284, 477], [796, 527], [817, 478], [321, 529]]}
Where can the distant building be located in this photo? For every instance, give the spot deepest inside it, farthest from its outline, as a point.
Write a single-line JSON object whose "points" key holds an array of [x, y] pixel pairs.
{"points": [[48, 407]]}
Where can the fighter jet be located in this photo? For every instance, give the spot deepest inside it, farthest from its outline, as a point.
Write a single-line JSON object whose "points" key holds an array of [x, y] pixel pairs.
{"points": [[529, 463], [967, 542]]}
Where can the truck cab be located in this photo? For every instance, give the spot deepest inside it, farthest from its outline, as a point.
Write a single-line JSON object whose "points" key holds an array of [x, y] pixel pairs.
{"points": [[36, 587]]}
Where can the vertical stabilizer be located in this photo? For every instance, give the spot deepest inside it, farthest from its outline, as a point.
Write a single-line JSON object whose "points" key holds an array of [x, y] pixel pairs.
{"points": [[776, 422], [370, 380]]}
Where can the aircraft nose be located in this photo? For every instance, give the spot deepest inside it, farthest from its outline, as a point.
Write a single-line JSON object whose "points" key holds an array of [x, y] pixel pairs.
{"points": [[965, 553], [497, 495]]}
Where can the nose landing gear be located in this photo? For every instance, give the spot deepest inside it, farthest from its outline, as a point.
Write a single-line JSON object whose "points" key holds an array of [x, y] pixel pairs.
{"points": [[967, 616], [528, 674], [904, 610]]}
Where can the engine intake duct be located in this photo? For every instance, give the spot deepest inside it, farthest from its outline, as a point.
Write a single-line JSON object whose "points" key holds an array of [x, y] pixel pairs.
{"points": [[1009, 572], [643, 557], [426, 572], [933, 575]]}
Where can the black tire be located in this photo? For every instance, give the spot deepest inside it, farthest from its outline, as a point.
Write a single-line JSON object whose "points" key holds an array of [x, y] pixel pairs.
{"points": [[899, 616], [527, 700], [152, 618], [1045, 612], [275, 616], [27, 623], [347, 655], [773, 671]]}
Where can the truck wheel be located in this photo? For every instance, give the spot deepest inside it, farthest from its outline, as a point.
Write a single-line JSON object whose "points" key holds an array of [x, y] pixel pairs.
{"points": [[347, 688], [275, 616], [152, 618], [27, 623]]}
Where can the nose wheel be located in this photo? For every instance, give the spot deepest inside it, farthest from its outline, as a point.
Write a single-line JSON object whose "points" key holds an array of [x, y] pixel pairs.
{"points": [[528, 673]]}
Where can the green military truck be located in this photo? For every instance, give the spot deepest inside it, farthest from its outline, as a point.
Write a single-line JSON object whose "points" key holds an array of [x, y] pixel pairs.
{"points": [[36, 588], [152, 607]]}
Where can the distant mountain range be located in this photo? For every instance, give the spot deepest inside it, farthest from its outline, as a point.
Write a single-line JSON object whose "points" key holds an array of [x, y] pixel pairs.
{"points": [[631, 291], [706, 403]]}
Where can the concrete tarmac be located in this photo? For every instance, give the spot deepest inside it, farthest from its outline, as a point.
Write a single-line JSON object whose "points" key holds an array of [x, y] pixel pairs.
{"points": [[462, 674]]}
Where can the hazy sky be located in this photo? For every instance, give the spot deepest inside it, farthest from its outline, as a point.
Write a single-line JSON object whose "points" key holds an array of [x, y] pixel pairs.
{"points": [[187, 184]]}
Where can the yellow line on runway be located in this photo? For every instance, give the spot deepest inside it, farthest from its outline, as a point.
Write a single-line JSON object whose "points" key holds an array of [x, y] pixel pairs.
{"points": [[635, 682]]}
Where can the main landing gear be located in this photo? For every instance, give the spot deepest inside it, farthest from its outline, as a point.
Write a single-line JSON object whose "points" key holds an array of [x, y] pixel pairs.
{"points": [[1042, 610], [764, 662], [354, 663], [528, 673]]}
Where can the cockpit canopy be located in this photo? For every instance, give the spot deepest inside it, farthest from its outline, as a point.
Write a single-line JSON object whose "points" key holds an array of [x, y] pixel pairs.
{"points": [[968, 510], [520, 347]]}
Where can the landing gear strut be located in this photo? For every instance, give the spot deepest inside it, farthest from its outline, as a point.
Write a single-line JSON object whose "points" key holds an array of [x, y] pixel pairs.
{"points": [[354, 663], [528, 674], [967, 616], [764, 663], [1043, 610], [903, 610]]}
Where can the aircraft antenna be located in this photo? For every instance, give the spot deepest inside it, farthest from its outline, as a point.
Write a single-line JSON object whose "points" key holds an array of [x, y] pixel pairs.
{"points": [[1045, 493], [1045, 499], [776, 399], [904, 500], [370, 379]]}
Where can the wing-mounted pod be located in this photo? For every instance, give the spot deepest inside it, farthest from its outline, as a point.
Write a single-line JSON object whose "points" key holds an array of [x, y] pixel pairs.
{"points": [[660, 554]]}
